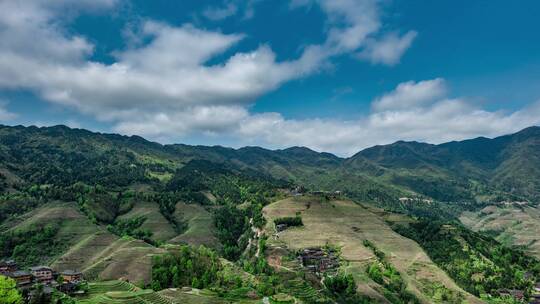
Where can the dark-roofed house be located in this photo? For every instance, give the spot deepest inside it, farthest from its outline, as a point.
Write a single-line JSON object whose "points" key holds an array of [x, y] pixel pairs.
{"points": [[23, 278], [42, 274], [515, 293], [71, 276], [7, 266]]}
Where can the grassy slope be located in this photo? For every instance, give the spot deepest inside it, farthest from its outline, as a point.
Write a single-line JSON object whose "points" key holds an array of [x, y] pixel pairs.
{"points": [[346, 224], [511, 225], [199, 223], [88, 247], [161, 229]]}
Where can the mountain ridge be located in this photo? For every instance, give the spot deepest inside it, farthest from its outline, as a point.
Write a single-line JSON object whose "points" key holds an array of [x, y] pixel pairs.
{"points": [[502, 168]]}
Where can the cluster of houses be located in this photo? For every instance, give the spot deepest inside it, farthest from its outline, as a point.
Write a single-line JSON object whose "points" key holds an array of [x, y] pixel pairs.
{"points": [[512, 203], [520, 294], [319, 261], [301, 190], [327, 194], [408, 200], [44, 275]]}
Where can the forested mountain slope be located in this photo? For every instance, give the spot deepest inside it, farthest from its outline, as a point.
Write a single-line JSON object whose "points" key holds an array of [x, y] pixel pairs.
{"points": [[481, 169], [506, 167]]}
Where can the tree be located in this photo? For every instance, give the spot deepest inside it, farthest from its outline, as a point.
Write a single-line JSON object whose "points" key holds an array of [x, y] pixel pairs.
{"points": [[8, 291]]}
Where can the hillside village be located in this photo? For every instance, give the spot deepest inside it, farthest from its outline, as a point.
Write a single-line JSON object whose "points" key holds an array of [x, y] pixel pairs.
{"points": [[43, 279]]}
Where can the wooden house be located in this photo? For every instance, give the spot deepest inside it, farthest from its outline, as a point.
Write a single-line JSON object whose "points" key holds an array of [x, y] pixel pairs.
{"points": [[23, 278], [71, 276], [7, 266], [42, 274]]}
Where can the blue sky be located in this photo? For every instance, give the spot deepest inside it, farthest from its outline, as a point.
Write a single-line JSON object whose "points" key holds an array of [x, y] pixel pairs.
{"points": [[333, 75]]}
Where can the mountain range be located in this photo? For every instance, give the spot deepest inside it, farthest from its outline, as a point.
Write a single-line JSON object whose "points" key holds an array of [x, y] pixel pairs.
{"points": [[476, 170]]}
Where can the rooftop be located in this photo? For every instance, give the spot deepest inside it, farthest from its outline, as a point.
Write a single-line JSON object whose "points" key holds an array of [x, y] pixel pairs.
{"points": [[70, 272], [36, 268], [19, 273]]}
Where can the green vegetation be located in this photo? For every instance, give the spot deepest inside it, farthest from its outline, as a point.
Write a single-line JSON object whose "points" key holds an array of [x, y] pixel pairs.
{"points": [[478, 263], [231, 224], [201, 268], [13, 204], [385, 274], [131, 227], [342, 288], [8, 291], [185, 267], [32, 246], [440, 294], [289, 221]]}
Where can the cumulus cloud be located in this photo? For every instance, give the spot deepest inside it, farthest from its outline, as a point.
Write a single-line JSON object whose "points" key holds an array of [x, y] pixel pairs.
{"points": [[209, 120], [219, 13], [349, 22], [389, 49], [434, 118], [164, 76], [411, 94]]}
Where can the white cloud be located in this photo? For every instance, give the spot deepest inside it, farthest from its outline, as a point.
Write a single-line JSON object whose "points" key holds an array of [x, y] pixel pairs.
{"points": [[389, 49], [349, 22], [208, 120], [219, 13], [411, 94], [229, 8], [167, 76], [174, 48], [440, 120]]}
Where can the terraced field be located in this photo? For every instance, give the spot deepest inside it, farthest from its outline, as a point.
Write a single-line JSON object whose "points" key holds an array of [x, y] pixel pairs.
{"points": [[303, 291], [75, 225], [196, 296], [511, 225], [161, 229], [200, 227], [346, 224], [121, 292], [90, 248]]}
